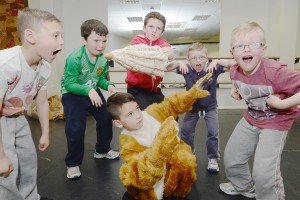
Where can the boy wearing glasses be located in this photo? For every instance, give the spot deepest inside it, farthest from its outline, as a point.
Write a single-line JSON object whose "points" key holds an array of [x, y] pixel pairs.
{"points": [[206, 107], [262, 131]]}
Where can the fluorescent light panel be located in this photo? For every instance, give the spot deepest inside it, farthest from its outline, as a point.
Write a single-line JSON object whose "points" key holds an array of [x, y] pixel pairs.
{"points": [[129, 1], [175, 24], [201, 17]]}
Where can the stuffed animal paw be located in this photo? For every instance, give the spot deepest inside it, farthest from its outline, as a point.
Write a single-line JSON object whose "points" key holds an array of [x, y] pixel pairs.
{"points": [[181, 172], [167, 138], [197, 90]]}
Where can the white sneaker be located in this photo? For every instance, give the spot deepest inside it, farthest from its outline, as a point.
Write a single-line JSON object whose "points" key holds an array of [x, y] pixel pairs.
{"points": [[73, 172], [228, 188], [109, 155], [213, 165]]}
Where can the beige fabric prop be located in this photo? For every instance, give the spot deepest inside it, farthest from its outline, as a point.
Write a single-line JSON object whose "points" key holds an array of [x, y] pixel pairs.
{"points": [[142, 58]]}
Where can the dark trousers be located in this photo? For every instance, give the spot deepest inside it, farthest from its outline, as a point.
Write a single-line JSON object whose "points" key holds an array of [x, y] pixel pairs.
{"points": [[212, 125], [145, 98], [76, 108]]}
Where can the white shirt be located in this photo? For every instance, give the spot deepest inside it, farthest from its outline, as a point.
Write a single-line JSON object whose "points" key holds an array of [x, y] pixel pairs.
{"points": [[19, 83]]}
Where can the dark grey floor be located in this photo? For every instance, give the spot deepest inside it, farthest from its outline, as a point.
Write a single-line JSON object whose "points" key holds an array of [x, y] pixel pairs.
{"points": [[100, 179]]}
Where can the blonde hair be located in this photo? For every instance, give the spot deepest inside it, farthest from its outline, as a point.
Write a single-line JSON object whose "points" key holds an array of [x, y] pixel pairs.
{"points": [[29, 18], [246, 28], [197, 46]]}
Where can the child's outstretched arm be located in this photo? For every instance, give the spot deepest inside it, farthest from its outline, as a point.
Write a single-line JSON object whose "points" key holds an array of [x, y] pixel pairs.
{"points": [[180, 64], [42, 106], [275, 102], [226, 63], [6, 165]]}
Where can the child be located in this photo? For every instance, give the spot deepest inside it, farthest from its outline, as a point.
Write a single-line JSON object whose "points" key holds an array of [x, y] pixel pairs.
{"points": [[84, 75], [156, 163], [24, 70], [262, 131], [207, 107], [142, 86]]}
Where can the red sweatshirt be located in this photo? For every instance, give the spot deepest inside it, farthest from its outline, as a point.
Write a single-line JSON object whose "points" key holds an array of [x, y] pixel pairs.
{"points": [[145, 81]]}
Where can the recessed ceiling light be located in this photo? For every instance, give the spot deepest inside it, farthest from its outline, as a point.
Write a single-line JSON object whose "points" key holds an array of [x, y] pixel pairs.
{"points": [[175, 24], [211, 1], [129, 1], [201, 17]]}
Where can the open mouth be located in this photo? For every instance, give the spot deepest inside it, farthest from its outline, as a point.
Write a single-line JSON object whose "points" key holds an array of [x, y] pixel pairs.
{"points": [[55, 52], [247, 58]]}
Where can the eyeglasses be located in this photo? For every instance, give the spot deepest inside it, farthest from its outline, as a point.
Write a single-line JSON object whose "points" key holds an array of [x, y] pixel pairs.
{"points": [[195, 58], [241, 47]]}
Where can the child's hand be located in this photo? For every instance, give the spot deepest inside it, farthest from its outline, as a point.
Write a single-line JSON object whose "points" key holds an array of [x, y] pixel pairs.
{"points": [[170, 53], [235, 94], [183, 68], [111, 89], [6, 166], [95, 98], [274, 101], [212, 66], [44, 142]]}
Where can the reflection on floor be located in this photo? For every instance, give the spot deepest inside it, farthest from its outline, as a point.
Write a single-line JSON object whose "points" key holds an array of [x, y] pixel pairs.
{"points": [[100, 179]]}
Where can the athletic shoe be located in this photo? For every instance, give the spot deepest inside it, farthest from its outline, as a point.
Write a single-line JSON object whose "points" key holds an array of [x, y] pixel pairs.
{"points": [[109, 155], [228, 188], [73, 172], [213, 165]]}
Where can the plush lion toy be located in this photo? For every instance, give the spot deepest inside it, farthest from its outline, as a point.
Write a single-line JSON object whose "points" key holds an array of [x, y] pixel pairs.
{"points": [[156, 162]]}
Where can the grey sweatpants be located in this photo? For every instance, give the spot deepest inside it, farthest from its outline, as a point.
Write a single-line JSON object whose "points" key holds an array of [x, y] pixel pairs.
{"points": [[267, 144], [19, 148], [189, 123]]}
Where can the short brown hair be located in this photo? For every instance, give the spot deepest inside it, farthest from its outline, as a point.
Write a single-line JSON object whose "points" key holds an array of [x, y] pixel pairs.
{"points": [[155, 15], [115, 102], [93, 25], [30, 18]]}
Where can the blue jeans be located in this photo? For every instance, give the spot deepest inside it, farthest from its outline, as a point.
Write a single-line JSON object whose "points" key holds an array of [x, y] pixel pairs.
{"points": [[212, 124], [76, 108]]}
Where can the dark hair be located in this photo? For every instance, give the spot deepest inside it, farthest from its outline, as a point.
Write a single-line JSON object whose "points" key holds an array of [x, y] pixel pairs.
{"points": [[115, 102], [155, 15], [93, 25]]}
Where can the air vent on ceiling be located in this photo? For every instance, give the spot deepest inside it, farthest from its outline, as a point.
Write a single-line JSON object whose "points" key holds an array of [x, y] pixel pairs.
{"points": [[201, 17], [151, 6], [175, 24], [129, 1], [135, 19]]}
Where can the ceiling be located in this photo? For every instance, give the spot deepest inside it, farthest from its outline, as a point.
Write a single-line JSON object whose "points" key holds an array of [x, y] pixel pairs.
{"points": [[187, 20]]}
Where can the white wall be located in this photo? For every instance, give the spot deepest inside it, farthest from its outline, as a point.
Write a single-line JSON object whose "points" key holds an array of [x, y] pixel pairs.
{"points": [[279, 18]]}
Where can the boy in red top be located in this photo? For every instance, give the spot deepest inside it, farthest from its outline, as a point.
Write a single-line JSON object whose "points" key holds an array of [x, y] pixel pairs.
{"points": [[142, 86]]}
